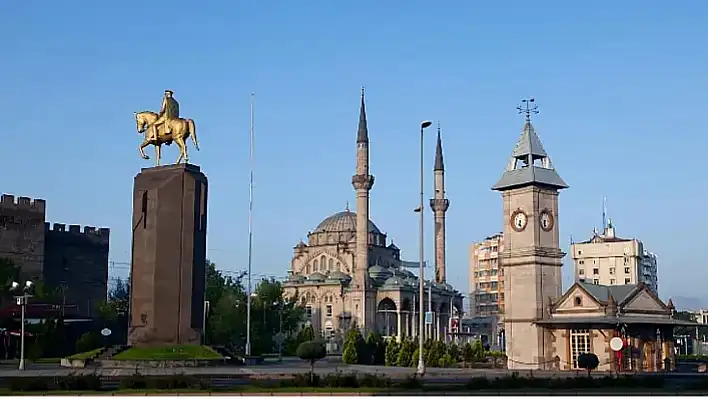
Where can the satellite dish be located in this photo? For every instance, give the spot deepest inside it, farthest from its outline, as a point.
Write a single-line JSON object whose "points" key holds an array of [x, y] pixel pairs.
{"points": [[616, 344], [106, 332]]}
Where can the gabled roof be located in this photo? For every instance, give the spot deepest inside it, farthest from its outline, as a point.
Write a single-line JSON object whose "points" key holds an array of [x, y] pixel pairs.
{"points": [[522, 170], [602, 293]]}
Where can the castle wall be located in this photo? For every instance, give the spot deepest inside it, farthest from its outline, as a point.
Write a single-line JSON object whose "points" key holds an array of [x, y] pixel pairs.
{"points": [[76, 262], [22, 234]]}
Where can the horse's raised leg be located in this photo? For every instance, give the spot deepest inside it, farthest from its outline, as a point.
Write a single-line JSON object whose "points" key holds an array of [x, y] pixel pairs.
{"points": [[142, 153]]}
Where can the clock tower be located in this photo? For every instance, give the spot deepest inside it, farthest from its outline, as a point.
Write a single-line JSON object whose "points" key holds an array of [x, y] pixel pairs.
{"points": [[532, 258]]}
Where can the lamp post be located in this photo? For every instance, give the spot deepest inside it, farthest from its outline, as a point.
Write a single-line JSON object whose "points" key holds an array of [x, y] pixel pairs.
{"points": [[22, 301], [280, 329], [421, 294]]}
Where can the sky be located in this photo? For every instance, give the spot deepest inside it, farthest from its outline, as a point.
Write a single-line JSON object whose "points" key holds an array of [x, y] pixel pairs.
{"points": [[621, 89]]}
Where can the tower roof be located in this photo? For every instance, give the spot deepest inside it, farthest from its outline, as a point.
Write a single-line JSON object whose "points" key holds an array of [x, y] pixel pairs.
{"points": [[529, 164], [362, 135], [439, 164]]}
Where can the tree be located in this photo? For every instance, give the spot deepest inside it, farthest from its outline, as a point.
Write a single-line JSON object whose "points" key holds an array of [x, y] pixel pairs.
{"points": [[349, 354], [354, 341], [468, 353], [454, 351], [588, 361], [393, 347], [9, 272], [311, 351], [405, 354]]}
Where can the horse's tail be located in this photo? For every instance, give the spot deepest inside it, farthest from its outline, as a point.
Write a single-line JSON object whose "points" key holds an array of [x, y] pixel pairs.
{"points": [[193, 133]]}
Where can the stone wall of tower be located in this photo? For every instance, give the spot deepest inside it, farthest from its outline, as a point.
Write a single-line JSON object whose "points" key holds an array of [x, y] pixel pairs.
{"points": [[439, 204], [532, 263]]}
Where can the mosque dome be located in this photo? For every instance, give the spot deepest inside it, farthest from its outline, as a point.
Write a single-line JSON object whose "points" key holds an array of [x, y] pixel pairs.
{"points": [[379, 273], [395, 281], [342, 221], [316, 277], [337, 275]]}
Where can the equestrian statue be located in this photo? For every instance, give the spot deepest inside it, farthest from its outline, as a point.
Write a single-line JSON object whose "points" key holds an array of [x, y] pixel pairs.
{"points": [[164, 128]]}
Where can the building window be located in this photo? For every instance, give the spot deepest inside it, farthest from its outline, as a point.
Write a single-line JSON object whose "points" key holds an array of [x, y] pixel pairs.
{"points": [[307, 269], [328, 310], [626, 270], [612, 270], [579, 344], [323, 263], [315, 265], [580, 252], [581, 272], [330, 266], [582, 262], [596, 281], [308, 311], [339, 267], [578, 301], [612, 281], [627, 280], [626, 260], [595, 271]]}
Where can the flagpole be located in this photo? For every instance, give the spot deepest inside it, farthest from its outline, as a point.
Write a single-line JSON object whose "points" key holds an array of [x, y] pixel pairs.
{"points": [[250, 232]]}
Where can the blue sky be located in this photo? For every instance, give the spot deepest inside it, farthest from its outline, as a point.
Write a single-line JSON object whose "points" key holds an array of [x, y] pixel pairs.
{"points": [[621, 88]]}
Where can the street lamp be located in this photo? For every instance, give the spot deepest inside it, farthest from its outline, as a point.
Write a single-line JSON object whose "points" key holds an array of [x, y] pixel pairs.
{"points": [[421, 294], [279, 336], [22, 301]]}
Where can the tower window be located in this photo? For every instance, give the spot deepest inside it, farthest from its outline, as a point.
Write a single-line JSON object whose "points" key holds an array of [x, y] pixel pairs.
{"points": [[328, 310], [308, 311], [627, 281]]}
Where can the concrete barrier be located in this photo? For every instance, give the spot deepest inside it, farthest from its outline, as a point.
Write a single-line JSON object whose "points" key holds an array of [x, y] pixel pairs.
{"points": [[73, 363]]}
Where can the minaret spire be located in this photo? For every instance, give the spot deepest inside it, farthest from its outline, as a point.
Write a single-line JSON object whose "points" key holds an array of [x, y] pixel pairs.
{"points": [[439, 204], [362, 135], [439, 164], [364, 300]]}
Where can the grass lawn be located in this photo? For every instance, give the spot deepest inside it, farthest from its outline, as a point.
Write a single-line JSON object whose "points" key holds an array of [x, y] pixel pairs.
{"points": [[173, 352], [85, 355]]}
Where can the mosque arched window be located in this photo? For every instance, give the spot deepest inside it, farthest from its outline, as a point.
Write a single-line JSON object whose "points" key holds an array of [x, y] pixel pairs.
{"points": [[323, 263], [307, 269], [339, 267], [314, 267], [330, 266]]}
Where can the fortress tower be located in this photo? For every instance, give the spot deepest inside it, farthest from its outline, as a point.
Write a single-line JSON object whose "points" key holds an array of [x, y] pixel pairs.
{"points": [[364, 308], [22, 238], [439, 204]]}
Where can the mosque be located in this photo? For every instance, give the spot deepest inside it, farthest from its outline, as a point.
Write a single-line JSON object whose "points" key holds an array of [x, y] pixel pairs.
{"points": [[349, 275]]}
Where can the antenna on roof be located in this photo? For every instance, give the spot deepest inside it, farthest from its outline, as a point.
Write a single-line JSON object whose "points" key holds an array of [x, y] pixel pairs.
{"points": [[528, 107]]}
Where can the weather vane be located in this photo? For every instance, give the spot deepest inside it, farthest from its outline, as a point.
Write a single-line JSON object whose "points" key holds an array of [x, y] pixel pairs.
{"points": [[527, 108]]}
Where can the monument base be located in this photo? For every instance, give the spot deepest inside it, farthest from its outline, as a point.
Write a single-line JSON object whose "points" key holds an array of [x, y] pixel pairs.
{"points": [[168, 256]]}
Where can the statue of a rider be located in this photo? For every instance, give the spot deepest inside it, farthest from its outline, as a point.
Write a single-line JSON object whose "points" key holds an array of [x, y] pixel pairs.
{"points": [[169, 110]]}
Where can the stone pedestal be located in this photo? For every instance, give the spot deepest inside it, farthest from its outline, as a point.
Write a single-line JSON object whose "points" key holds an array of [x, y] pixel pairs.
{"points": [[169, 255]]}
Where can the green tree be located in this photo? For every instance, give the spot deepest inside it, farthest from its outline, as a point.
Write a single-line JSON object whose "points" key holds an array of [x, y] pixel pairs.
{"points": [[454, 351], [405, 354], [311, 351], [349, 354], [478, 351], [413, 360], [393, 347], [468, 353], [9, 272], [588, 361]]}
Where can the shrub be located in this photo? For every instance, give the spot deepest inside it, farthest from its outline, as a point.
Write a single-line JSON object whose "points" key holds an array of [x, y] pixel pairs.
{"points": [[91, 382], [454, 351], [446, 361], [413, 362], [311, 351], [88, 342], [588, 361], [30, 384], [357, 342]]}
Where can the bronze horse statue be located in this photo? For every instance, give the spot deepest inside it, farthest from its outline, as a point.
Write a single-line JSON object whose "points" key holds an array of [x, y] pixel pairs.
{"points": [[177, 130]]}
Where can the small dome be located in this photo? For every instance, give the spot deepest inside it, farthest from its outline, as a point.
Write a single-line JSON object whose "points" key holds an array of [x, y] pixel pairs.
{"points": [[296, 278], [399, 271], [379, 273], [316, 276], [342, 221], [395, 281], [337, 275]]}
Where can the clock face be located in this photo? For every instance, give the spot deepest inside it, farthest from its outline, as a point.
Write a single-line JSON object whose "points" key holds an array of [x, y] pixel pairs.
{"points": [[519, 220], [546, 220]]}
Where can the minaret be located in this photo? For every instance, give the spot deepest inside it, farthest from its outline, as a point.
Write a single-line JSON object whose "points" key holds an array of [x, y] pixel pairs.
{"points": [[362, 182], [439, 204], [532, 258]]}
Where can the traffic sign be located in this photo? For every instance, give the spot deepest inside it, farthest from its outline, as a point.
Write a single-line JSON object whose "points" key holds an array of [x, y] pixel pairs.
{"points": [[616, 344], [106, 332], [428, 317]]}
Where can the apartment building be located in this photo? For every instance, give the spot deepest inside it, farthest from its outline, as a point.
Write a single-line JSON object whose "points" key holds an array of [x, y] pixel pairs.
{"points": [[607, 259], [486, 277]]}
